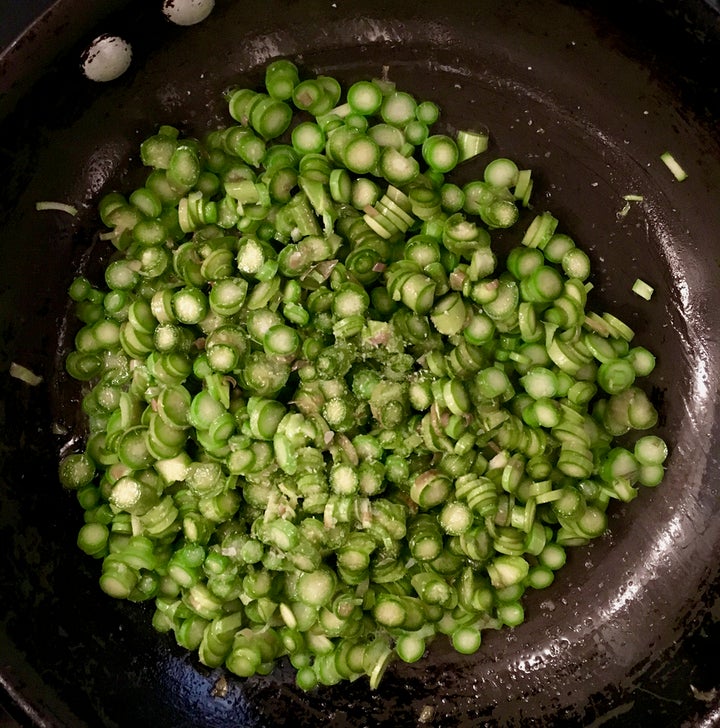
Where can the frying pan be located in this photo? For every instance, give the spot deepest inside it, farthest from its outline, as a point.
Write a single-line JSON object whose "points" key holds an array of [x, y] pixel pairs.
{"points": [[586, 94]]}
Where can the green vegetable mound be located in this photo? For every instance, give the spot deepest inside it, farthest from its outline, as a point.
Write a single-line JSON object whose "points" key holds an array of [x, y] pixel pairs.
{"points": [[327, 420]]}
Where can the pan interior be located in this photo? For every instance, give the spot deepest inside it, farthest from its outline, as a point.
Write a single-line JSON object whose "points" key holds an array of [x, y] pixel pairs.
{"points": [[591, 121]]}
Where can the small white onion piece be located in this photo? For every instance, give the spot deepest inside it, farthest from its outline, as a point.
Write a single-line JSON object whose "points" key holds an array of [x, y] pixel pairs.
{"points": [[187, 12], [107, 58]]}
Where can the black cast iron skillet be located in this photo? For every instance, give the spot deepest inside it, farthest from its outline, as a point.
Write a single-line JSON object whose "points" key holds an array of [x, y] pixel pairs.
{"points": [[589, 96]]}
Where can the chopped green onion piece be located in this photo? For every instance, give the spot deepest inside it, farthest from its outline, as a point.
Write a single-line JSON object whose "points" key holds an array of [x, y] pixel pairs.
{"points": [[642, 289], [471, 143], [59, 206], [18, 371], [672, 164]]}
